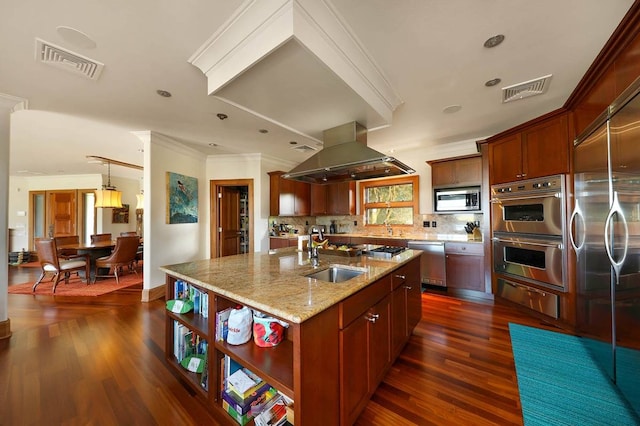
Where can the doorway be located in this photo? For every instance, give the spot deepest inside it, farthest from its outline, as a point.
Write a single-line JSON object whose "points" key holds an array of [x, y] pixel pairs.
{"points": [[60, 213], [231, 217]]}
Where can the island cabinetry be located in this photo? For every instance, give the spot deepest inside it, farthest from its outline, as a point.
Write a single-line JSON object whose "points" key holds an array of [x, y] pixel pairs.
{"points": [[464, 265], [537, 151], [288, 197], [456, 171], [304, 366], [333, 199], [365, 348], [406, 308]]}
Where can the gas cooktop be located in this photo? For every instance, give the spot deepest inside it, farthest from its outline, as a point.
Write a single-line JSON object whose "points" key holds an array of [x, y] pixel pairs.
{"points": [[384, 251]]}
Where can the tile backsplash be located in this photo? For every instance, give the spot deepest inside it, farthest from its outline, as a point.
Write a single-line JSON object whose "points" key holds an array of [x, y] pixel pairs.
{"points": [[445, 224]]}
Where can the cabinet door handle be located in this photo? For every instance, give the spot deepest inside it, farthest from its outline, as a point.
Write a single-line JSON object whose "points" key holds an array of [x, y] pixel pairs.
{"points": [[408, 287], [402, 277], [373, 317]]}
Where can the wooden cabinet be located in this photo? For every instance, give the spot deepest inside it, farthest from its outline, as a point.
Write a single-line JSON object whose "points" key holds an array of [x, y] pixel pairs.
{"points": [[365, 348], [406, 301], [276, 243], [457, 171], [288, 197], [537, 151], [333, 199], [465, 265]]}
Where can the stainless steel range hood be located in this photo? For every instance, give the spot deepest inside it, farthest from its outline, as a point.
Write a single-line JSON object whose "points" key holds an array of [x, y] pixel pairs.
{"points": [[345, 157]]}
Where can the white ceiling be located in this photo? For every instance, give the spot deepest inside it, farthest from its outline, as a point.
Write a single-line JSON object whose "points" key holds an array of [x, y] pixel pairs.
{"points": [[429, 52]]}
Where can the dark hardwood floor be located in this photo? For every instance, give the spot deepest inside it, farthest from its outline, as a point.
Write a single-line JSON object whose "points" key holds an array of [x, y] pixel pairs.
{"points": [[100, 361]]}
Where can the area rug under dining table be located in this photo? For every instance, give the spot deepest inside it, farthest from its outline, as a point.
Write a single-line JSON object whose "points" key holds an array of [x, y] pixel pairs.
{"points": [[77, 287], [560, 383]]}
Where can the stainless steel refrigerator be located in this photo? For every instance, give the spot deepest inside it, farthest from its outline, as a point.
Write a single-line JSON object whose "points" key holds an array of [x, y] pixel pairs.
{"points": [[605, 234]]}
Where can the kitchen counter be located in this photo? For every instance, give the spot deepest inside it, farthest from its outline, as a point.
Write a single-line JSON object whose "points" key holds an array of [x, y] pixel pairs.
{"points": [[276, 282]]}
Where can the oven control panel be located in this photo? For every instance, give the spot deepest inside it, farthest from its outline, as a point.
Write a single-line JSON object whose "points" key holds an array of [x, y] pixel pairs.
{"points": [[546, 184]]}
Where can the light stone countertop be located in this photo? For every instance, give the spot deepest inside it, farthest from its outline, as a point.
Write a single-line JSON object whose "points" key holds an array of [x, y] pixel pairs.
{"points": [[275, 283]]}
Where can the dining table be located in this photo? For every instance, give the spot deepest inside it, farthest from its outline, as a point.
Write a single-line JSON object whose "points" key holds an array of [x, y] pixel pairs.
{"points": [[94, 250]]}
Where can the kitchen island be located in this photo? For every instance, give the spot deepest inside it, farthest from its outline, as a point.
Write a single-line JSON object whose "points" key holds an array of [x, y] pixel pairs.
{"points": [[342, 337]]}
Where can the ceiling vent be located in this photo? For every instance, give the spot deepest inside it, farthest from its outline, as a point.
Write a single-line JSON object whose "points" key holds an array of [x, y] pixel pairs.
{"points": [[57, 56], [527, 89], [303, 148]]}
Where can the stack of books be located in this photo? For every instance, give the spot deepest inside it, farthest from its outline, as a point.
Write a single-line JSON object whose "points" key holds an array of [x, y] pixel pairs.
{"points": [[244, 394]]}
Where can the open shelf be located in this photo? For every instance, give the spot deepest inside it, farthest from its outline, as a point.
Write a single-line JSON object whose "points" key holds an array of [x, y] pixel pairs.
{"points": [[274, 365]]}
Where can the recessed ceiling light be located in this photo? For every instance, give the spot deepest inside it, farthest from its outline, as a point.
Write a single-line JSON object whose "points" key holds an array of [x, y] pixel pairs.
{"points": [[222, 116], [76, 37], [293, 143], [213, 144], [494, 41], [263, 131], [451, 109], [163, 93], [492, 82]]}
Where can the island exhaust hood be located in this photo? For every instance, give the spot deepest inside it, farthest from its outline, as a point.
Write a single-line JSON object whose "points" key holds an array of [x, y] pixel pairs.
{"points": [[346, 157]]}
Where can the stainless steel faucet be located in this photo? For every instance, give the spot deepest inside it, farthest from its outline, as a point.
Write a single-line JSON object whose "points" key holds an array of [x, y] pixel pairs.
{"points": [[313, 251]]}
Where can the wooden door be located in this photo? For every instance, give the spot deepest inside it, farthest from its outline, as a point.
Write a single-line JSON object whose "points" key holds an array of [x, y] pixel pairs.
{"points": [[229, 220], [61, 213]]}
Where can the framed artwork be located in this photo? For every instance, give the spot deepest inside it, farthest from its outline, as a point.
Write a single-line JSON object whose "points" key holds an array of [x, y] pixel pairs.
{"points": [[182, 198], [120, 215]]}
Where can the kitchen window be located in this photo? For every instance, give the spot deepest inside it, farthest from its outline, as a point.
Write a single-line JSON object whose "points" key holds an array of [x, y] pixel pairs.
{"points": [[389, 201]]}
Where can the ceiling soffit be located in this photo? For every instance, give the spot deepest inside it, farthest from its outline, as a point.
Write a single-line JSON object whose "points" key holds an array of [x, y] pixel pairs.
{"points": [[258, 29]]}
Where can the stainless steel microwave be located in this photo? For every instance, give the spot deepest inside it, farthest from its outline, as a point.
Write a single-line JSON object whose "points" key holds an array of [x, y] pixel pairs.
{"points": [[454, 200]]}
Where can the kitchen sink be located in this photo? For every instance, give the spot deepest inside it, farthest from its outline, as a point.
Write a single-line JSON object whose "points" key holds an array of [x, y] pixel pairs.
{"points": [[336, 274]]}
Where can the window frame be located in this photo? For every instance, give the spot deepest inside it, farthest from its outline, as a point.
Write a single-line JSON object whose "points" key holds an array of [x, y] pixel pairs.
{"points": [[403, 180]]}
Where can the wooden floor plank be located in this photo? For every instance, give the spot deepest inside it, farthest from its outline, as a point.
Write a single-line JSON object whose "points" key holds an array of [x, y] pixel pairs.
{"points": [[100, 360]]}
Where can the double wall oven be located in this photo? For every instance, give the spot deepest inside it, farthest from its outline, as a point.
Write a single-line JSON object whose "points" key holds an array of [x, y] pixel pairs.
{"points": [[529, 239]]}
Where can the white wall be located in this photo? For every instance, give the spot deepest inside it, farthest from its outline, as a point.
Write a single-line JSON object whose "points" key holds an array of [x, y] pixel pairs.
{"points": [[19, 188], [166, 244], [249, 166], [130, 188]]}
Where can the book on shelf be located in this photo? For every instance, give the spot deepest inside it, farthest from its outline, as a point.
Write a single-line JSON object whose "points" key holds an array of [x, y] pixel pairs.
{"points": [[243, 383], [254, 403], [182, 290], [274, 413], [186, 343], [242, 419], [222, 324]]}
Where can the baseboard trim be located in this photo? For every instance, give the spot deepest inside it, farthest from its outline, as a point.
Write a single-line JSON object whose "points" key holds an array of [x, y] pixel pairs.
{"points": [[149, 294], [5, 329]]}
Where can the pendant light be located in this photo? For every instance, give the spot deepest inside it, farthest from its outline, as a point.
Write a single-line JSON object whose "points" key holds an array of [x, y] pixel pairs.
{"points": [[108, 197]]}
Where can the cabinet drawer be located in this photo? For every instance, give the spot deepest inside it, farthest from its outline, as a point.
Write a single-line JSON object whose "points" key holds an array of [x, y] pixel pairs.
{"points": [[357, 305], [475, 249]]}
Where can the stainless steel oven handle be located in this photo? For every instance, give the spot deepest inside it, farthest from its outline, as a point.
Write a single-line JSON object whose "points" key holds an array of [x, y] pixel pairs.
{"points": [[526, 197], [528, 243], [615, 209], [577, 212], [527, 288]]}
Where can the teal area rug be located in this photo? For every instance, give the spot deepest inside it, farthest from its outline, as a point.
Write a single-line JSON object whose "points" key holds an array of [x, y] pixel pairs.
{"points": [[560, 383]]}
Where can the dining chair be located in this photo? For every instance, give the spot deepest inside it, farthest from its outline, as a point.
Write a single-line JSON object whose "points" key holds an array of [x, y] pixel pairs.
{"points": [[59, 265], [100, 237], [129, 234], [123, 255], [67, 239]]}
